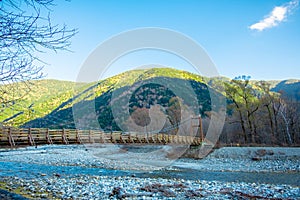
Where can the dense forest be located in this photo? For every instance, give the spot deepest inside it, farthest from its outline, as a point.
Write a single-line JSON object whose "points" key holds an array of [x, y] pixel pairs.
{"points": [[259, 115], [257, 112]]}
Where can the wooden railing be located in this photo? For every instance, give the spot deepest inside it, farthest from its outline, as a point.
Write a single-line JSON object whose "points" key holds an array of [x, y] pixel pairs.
{"points": [[14, 137]]}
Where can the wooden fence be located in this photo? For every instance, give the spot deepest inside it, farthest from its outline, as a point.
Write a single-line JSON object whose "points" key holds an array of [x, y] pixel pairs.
{"points": [[14, 137]]}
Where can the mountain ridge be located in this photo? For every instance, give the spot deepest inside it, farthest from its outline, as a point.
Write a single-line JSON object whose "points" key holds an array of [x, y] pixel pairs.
{"points": [[50, 96]]}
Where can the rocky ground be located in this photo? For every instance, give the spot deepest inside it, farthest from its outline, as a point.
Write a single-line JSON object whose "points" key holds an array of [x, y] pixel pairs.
{"points": [[107, 187], [247, 159], [81, 172]]}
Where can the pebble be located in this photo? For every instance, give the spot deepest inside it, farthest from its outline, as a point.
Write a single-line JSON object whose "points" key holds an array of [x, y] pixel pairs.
{"points": [[138, 188], [78, 186]]}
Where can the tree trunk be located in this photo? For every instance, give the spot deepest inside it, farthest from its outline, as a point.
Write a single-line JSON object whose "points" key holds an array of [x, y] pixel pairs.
{"points": [[286, 121], [271, 121], [242, 122]]}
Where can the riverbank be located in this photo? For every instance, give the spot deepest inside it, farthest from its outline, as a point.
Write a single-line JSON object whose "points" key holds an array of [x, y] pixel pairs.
{"points": [[108, 187], [10, 196], [82, 172]]}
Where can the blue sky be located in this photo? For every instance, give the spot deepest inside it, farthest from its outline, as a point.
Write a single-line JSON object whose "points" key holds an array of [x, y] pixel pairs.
{"points": [[260, 38]]}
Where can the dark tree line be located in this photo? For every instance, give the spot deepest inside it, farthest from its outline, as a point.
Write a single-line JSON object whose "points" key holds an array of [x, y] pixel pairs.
{"points": [[259, 116]]}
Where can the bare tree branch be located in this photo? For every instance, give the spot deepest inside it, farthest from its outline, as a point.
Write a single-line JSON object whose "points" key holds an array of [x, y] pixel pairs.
{"points": [[23, 33]]}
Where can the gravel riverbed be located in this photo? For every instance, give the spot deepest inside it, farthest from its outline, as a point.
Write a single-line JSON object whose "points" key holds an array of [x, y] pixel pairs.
{"points": [[107, 172]]}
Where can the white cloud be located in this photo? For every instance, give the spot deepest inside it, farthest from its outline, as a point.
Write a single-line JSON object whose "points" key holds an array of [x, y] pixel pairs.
{"points": [[278, 14]]}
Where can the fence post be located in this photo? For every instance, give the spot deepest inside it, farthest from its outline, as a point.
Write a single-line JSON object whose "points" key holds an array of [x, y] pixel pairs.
{"points": [[90, 140], [129, 138], [10, 138], [30, 139], [111, 137], [164, 138], [158, 138], [48, 138], [77, 137], [201, 128], [64, 138], [146, 137]]}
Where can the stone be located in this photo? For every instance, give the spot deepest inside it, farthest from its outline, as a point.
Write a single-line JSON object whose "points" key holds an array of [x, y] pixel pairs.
{"points": [[256, 158]]}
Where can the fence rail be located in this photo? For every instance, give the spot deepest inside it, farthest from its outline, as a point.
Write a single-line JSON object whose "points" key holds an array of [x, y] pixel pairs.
{"points": [[14, 137]]}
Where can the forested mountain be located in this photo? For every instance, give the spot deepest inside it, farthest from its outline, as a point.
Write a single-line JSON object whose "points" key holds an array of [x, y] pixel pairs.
{"points": [[52, 97], [288, 88], [257, 111]]}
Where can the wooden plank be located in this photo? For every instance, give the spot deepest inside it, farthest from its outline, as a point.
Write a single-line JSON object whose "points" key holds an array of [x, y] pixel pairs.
{"points": [[48, 137], [151, 139], [158, 139], [91, 137], [78, 139], [164, 140], [201, 129], [64, 138], [146, 138], [111, 138], [138, 139], [34, 136], [102, 140], [10, 138], [130, 138], [30, 138], [121, 139]]}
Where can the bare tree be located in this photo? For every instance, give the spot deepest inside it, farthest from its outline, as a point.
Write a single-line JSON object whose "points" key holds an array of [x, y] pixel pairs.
{"points": [[174, 112], [231, 92], [243, 97], [284, 113], [141, 117], [25, 30]]}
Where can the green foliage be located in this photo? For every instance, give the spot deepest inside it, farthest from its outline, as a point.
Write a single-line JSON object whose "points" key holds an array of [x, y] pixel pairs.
{"points": [[45, 96], [49, 103]]}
